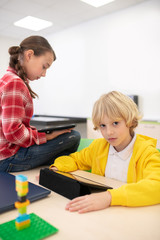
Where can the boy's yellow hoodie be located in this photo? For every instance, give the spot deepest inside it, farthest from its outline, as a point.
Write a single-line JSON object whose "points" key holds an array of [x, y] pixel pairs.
{"points": [[143, 179]]}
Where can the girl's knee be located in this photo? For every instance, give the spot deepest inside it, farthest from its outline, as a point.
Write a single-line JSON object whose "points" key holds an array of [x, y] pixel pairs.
{"points": [[75, 135]]}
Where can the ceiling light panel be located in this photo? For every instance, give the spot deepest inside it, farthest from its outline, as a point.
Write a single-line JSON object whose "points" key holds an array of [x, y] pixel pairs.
{"points": [[32, 23], [97, 3]]}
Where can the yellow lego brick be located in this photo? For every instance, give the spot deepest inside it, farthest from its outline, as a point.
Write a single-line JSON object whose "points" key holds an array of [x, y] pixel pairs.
{"points": [[21, 205], [22, 191], [21, 183], [23, 225]]}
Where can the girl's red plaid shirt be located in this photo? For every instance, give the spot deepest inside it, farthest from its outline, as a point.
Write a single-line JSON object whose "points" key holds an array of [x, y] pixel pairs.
{"points": [[16, 110]]}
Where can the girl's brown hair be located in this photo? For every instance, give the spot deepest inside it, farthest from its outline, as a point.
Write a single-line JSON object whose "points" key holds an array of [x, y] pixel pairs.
{"points": [[36, 43], [116, 106]]}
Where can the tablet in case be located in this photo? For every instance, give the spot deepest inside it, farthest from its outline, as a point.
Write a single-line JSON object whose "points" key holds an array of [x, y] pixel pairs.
{"points": [[49, 129], [67, 185]]}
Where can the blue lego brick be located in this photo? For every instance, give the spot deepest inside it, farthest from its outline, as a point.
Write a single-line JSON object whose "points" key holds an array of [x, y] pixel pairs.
{"points": [[22, 218], [21, 178]]}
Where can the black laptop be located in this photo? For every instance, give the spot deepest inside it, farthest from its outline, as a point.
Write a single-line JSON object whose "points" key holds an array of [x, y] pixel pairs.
{"points": [[8, 194]]}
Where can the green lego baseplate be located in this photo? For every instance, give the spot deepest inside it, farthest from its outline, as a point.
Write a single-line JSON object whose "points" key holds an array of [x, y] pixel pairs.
{"points": [[39, 229]]}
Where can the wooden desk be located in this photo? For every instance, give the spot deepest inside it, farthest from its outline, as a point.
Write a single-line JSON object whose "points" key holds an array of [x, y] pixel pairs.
{"points": [[114, 223]]}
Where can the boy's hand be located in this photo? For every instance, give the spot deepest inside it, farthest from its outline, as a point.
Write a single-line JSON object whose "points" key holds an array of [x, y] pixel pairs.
{"points": [[53, 168], [88, 203]]}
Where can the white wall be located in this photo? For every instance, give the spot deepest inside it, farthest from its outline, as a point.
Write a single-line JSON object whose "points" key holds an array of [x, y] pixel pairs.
{"points": [[5, 44], [120, 51]]}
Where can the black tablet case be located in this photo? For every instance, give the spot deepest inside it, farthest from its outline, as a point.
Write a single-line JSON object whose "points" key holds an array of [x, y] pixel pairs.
{"points": [[8, 194], [67, 187]]}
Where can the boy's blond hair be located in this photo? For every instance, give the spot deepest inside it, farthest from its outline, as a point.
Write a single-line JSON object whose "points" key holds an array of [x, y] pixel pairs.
{"points": [[116, 106]]}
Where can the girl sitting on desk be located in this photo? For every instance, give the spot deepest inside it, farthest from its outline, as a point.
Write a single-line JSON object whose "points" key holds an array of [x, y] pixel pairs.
{"points": [[121, 154]]}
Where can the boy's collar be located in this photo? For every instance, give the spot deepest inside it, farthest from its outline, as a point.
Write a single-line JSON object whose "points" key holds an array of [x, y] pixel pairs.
{"points": [[126, 152]]}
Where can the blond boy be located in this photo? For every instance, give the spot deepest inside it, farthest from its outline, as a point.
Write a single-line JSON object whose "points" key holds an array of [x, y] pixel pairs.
{"points": [[121, 154]]}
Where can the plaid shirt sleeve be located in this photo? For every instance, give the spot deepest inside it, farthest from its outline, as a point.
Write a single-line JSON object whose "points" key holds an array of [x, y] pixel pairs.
{"points": [[17, 110]]}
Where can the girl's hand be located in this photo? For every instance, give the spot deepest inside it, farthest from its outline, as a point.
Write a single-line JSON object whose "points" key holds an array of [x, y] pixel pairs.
{"points": [[88, 203], [55, 134]]}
